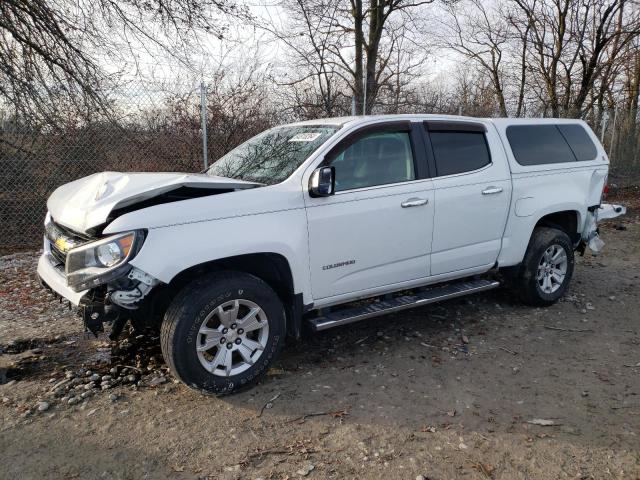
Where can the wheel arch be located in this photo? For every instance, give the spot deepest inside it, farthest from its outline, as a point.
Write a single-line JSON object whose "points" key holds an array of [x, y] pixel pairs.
{"points": [[568, 217], [273, 268], [569, 221]]}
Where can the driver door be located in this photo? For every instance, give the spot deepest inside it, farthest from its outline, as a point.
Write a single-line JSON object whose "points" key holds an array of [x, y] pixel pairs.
{"points": [[376, 230]]}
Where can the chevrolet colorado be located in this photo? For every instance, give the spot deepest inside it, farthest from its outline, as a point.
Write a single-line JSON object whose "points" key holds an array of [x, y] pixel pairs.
{"points": [[322, 223]]}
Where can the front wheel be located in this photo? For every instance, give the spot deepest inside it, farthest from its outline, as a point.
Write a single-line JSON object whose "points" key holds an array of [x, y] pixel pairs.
{"points": [[223, 331], [547, 267]]}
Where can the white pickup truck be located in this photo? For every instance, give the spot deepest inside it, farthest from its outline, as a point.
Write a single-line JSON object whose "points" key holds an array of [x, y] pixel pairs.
{"points": [[323, 223]]}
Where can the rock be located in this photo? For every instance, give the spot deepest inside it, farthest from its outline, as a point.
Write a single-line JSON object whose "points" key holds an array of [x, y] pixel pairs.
{"points": [[114, 371], [43, 406], [421, 477], [589, 306], [157, 381], [131, 378], [5, 400], [612, 298], [306, 470], [106, 378], [542, 422], [95, 377], [91, 412], [74, 400], [113, 397], [88, 373]]}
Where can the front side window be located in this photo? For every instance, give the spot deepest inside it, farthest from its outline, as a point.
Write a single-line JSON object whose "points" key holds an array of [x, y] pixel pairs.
{"points": [[459, 152], [374, 159], [273, 155]]}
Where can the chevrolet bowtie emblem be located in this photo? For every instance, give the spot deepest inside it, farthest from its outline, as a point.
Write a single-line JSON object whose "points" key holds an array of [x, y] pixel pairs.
{"points": [[63, 244]]}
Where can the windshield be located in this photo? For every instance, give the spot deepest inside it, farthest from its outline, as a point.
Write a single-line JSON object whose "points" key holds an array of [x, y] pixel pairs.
{"points": [[273, 155]]}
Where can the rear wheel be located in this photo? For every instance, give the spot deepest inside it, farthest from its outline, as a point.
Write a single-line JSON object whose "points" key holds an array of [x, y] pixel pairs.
{"points": [[547, 267], [223, 331]]}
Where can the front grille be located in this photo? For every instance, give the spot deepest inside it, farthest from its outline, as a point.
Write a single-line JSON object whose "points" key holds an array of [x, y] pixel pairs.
{"points": [[60, 256], [61, 240]]}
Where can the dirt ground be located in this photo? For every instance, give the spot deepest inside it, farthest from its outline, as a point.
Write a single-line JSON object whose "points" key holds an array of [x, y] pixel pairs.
{"points": [[455, 390]]}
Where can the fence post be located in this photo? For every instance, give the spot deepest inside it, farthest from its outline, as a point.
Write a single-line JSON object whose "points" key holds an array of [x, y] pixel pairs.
{"points": [[603, 123], [613, 133], [364, 94], [203, 115]]}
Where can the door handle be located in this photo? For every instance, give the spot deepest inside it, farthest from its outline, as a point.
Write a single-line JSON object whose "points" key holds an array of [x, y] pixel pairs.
{"points": [[491, 190], [414, 202]]}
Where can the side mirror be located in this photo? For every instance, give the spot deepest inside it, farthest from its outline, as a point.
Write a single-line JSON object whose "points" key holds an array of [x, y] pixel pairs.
{"points": [[322, 182]]}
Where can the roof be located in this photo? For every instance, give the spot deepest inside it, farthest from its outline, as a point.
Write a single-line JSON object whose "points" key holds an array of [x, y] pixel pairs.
{"points": [[355, 120]]}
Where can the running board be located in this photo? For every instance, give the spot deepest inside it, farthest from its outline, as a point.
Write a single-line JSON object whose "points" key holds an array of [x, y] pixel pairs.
{"points": [[424, 297]]}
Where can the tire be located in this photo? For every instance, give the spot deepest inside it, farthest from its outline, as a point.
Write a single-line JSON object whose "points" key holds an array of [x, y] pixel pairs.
{"points": [[202, 317], [530, 282]]}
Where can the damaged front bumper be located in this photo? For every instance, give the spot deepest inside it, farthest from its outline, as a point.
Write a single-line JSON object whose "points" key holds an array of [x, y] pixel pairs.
{"points": [[110, 303], [53, 277], [590, 236]]}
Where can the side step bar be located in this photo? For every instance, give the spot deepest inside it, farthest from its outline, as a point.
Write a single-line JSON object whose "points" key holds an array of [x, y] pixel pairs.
{"points": [[424, 297]]}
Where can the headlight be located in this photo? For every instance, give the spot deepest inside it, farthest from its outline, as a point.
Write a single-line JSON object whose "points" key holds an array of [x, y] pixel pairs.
{"points": [[99, 262]]}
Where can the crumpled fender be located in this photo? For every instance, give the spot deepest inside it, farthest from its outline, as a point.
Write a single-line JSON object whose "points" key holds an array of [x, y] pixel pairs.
{"points": [[590, 232]]}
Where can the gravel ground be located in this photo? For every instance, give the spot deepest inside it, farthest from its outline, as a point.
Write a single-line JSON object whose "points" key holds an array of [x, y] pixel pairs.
{"points": [[480, 387]]}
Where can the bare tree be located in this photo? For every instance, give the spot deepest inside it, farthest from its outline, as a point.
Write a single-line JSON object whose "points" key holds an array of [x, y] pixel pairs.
{"points": [[349, 45], [481, 33], [574, 45], [51, 51]]}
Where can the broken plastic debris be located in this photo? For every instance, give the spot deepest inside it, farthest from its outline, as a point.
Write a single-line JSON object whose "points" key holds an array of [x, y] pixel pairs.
{"points": [[596, 244]]}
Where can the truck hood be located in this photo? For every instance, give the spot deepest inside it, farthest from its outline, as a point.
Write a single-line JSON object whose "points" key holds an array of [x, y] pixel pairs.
{"points": [[90, 201]]}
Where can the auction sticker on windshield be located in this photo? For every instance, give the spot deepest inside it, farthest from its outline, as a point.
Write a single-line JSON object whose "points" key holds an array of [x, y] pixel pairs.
{"points": [[305, 137]]}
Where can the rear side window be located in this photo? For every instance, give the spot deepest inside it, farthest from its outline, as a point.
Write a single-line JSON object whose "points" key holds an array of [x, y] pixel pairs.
{"points": [[579, 141], [459, 152], [545, 144]]}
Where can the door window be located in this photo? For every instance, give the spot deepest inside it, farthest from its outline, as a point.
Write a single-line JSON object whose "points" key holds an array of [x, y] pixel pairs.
{"points": [[375, 159], [459, 152]]}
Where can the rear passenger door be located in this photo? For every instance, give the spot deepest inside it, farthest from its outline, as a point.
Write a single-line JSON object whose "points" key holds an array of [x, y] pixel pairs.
{"points": [[472, 188]]}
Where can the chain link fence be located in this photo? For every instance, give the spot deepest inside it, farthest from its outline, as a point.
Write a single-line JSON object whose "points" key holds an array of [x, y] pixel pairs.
{"points": [[619, 132], [150, 127], [159, 127]]}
